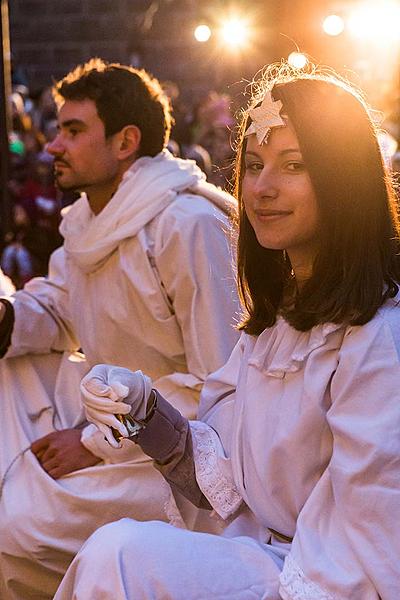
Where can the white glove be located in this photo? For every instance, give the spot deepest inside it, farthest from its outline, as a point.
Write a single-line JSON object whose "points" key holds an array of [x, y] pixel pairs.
{"points": [[103, 390]]}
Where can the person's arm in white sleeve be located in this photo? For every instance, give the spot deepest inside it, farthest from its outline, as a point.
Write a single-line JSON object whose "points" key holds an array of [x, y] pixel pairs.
{"points": [[190, 455], [109, 392], [42, 321], [198, 461], [195, 263], [346, 543]]}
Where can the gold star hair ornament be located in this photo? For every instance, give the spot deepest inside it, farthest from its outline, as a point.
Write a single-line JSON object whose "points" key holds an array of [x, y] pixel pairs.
{"points": [[264, 117]]}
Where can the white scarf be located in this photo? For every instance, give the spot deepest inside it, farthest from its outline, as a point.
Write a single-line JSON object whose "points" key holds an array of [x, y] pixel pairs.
{"points": [[147, 188]]}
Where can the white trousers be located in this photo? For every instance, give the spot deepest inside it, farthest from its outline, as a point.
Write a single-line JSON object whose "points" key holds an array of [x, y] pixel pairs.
{"points": [[44, 522], [129, 560]]}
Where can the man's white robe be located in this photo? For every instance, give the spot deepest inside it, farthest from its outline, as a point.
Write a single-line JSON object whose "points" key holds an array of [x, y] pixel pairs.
{"points": [[159, 297]]}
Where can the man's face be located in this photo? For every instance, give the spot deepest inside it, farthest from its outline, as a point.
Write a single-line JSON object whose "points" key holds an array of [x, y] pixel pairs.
{"points": [[84, 159]]}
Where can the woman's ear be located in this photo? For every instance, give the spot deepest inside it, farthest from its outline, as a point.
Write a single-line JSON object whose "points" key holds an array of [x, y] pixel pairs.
{"points": [[129, 142]]}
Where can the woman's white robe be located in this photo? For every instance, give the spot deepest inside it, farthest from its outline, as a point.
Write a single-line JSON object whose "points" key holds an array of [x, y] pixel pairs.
{"points": [[309, 442]]}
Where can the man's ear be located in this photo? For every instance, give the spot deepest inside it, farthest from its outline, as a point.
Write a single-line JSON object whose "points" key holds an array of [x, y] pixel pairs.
{"points": [[128, 142]]}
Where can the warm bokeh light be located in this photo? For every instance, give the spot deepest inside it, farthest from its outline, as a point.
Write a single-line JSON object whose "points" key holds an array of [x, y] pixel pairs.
{"points": [[297, 60], [333, 25], [379, 21], [235, 32], [202, 33]]}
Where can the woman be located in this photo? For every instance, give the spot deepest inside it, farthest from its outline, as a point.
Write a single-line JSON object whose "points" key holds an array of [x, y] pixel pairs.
{"points": [[297, 446]]}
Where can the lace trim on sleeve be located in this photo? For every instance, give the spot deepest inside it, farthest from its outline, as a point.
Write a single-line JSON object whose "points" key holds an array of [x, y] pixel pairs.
{"points": [[296, 586], [219, 489], [171, 510]]}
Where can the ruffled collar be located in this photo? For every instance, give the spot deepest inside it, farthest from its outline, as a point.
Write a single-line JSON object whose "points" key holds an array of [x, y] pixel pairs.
{"points": [[282, 349]]}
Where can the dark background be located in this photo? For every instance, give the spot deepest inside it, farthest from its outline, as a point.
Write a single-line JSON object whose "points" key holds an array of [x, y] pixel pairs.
{"points": [[48, 37]]}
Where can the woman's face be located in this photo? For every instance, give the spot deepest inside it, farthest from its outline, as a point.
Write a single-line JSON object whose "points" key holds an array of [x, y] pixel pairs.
{"points": [[278, 197]]}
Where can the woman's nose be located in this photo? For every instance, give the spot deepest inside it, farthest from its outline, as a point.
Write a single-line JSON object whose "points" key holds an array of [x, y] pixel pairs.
{"points": [[267, 185]]}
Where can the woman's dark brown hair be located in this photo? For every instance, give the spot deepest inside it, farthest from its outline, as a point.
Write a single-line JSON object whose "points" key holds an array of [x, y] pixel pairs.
{"points": [[358, 265]]}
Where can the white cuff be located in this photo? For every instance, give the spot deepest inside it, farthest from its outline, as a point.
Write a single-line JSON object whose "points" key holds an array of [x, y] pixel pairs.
{"points": [[213, 470]]}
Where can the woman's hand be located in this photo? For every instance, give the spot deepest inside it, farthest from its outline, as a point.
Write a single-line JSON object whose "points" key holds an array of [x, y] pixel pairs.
{"points": [[108, 391]]}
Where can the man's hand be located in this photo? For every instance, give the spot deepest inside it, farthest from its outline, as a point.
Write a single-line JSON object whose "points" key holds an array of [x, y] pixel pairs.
{"points": [[62, 452]]}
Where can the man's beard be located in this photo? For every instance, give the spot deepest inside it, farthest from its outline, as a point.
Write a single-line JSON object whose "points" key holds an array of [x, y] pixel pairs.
{"points": [[67, 187]]}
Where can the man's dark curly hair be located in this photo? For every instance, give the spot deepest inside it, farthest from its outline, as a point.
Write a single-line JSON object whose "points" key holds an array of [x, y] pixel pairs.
{"points": [[123, 96]]}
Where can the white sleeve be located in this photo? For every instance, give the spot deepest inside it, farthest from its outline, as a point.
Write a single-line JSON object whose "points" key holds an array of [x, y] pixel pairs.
{"points": [[347, 543], [6, 285], [42, 316], [195, 265], [212, 437]]}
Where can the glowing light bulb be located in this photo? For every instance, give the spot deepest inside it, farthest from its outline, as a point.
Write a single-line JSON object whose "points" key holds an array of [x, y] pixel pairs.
{"points": [[297, 60], [235, 32], [379, 22], [202, 33], [333, 25]]}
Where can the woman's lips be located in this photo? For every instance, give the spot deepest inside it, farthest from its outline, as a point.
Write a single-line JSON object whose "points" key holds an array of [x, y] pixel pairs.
{"points": [[271, 215]]}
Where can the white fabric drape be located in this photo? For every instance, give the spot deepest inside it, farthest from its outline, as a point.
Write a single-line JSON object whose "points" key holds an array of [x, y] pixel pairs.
{"points": [[162, 301], [147, 188]]}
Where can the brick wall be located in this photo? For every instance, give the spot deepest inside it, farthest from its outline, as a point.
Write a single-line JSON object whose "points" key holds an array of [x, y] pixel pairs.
{"points": [[48, 37]]}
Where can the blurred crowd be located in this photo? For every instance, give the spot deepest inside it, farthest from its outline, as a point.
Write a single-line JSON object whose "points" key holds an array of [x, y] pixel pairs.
{"points": [[204, 132], [35, 202]]}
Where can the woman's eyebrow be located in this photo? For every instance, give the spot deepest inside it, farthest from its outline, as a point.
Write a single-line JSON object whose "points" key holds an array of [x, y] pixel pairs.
{"points": [[290, 151], [281, 152], [250, 152]]}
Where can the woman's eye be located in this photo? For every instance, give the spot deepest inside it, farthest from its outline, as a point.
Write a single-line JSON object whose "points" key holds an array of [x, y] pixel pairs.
{"points": [[295, 165], [254, 167]]}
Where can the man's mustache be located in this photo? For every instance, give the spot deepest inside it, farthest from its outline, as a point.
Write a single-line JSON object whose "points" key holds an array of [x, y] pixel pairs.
{"points": [[58, 162]]}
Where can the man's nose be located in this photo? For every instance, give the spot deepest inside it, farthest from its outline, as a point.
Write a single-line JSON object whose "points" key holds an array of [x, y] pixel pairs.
{"points": [[55, 147]]}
